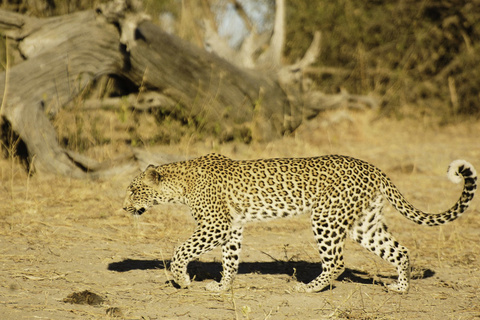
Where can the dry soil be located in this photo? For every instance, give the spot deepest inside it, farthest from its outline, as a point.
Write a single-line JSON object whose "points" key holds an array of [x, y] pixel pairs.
{"points": [[68, 251]]}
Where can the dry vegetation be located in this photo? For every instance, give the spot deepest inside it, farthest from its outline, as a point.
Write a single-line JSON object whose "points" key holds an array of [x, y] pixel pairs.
{"points": [[420, 57], [66, 240]]}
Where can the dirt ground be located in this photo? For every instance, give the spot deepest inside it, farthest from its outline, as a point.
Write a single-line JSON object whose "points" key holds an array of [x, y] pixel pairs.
{"points": [[68, 251]]}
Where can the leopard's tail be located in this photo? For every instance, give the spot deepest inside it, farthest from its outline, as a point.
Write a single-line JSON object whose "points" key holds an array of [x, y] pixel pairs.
{"points": [[458, 170]]}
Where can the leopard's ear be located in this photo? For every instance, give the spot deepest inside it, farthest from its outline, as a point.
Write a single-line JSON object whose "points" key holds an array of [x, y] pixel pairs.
{"points": [[151, 177]]}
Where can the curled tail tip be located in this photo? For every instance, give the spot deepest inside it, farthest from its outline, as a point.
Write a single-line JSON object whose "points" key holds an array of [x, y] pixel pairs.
{"points": [[459, 170]]}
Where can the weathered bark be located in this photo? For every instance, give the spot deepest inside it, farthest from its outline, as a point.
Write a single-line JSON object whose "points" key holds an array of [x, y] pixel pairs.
{"points": [[63, 55], [214, 89]]}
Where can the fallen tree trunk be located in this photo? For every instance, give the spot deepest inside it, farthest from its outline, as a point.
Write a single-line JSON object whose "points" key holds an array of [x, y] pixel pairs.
{"points": [[64, 55], [216, 91]]}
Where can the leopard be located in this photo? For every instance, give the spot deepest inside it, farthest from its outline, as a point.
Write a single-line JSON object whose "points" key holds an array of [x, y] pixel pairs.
{"points": [[344, 196]]}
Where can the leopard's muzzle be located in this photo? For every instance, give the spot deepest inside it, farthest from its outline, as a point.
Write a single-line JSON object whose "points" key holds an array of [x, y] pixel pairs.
{"points": [[135, 211]]}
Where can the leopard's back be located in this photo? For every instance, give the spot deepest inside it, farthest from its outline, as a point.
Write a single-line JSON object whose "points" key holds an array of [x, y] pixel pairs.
{"points": [[271, 188]]}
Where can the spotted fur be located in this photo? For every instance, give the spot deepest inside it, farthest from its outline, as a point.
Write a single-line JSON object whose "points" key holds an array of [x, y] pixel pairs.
{"points": [[343, 195]]}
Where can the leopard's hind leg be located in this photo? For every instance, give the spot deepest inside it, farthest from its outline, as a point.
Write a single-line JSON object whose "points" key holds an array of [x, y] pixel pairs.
{"points": [[371, 232]]}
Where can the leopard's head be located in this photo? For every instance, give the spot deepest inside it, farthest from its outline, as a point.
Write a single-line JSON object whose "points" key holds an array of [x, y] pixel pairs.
{"points": [[151, 187]]}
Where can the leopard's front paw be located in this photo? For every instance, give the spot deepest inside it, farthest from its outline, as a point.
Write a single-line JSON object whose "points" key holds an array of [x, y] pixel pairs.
{"points": [[215, 286], [397, 287], [302, 287], [183, 282]]}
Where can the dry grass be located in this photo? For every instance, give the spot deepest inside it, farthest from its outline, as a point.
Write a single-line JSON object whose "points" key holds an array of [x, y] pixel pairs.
{"points": [[61, 236]]}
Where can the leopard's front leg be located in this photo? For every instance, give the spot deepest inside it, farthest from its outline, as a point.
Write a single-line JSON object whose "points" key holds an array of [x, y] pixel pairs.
{"points": [[230, 260], [203, 240], [178, 265]]}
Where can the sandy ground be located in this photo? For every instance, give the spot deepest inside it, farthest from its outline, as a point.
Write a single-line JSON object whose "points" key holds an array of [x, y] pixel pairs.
{"points": [[68, 251]]}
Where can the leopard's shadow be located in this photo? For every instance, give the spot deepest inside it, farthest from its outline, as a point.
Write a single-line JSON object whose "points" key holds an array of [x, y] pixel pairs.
{"points": [[302, 270]]}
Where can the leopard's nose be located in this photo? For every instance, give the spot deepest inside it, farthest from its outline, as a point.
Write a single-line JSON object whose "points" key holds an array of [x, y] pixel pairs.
{"points": [[140, 211]]}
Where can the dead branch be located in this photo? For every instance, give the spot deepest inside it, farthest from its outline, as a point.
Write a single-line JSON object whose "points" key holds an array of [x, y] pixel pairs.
{"points": [[144, 101]]}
